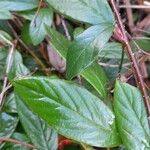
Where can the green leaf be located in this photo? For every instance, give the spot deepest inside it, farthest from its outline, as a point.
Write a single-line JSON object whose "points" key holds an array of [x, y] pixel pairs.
{"points": [[4, 26], [5, 14], [89, 11], [25, 35], [3, 56], [77, 31], [112, 50], [17, 67], [58, 42], [86, 47], [10, 104], [8, 124], [5, 37], [142, 43], [18, 5], [131, 117], [40, 134], [96, 76], [71, 110], [37, 28]]}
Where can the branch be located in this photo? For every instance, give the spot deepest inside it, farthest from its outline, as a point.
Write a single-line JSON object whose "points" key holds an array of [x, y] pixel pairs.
{"points": [[135, 67], [5, 139], [37, 60], [8, 66], [65, 28], [129, 15], [135, 6]]}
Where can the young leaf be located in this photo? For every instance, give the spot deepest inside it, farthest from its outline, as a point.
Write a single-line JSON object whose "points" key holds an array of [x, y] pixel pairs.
{"points": [[86, 47], [97, 78], [131, 117], [18, 5], [40, 134], [37, 29], [71, 110], [89, 11]]}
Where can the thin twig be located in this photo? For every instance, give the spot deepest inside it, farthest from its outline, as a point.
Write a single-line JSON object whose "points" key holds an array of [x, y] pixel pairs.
{"points": [[113, 66], [135, 6], [4, 90], [144, 24], [5, 139], [144, 31], [139, 38], [129, 15], [65, 28], [138, 76], [38, 61], [8, 66]]}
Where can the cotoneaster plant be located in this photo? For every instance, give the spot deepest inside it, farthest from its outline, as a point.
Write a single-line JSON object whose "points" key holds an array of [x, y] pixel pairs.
{"points": [[78, 101]]}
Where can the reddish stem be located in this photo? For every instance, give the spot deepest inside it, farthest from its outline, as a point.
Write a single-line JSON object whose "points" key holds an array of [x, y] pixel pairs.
{"points": [[138, 76], [6, 139]]}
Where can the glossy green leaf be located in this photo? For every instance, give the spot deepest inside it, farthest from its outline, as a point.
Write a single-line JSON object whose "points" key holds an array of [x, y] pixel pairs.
{"points": [[5, 37], [96, 76], [90, 11], [37, 28], [131, 117], [86, 47], [112, 50], [8, 124], [3, 56], [18, 5], [25, 35], [71, 110], [40, 134], [10, 104], [17, 68], [5, 14]]}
